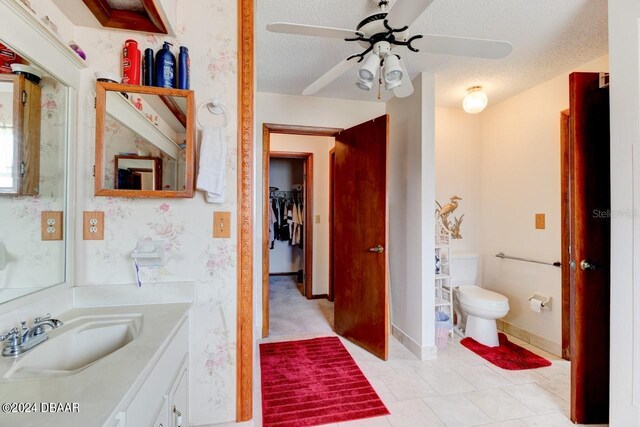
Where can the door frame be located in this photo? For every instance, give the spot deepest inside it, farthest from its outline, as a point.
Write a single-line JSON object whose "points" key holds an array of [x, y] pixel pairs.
{"points": [[267, 130], [565, 167], [332, 165]]}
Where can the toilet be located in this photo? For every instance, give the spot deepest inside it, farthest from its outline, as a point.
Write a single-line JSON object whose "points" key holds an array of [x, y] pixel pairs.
{"points": [[477, 309]]}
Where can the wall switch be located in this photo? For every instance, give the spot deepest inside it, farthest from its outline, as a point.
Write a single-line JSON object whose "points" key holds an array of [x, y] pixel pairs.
{"points": [[222, 225], [51, 225], [93, 225], [317, 219], [540, 221]]}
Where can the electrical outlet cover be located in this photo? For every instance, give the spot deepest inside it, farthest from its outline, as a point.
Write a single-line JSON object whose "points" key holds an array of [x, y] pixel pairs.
{"points": [[93, 225], [51, 225]]}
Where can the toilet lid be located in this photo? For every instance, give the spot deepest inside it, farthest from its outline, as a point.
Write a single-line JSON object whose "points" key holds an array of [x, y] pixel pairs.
{"points": [[482, 298]]}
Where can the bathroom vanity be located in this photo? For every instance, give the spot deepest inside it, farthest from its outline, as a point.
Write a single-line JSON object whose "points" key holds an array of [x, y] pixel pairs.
{"points": [[109, 364]]}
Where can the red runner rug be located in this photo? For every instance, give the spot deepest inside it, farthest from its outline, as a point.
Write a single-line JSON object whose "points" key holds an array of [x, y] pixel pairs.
{"points": [[507, 355], [314, 382]]}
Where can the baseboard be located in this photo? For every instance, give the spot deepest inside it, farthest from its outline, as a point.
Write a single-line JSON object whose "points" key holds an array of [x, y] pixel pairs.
{"points": [[320, 296], [283, 274], [422, 353], [531, 338]]}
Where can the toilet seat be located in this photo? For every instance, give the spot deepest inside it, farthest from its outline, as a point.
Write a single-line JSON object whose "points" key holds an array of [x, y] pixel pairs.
{"points": [[483, 299]]}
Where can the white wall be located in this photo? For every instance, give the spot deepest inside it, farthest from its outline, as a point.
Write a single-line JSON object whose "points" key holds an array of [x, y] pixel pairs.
{"points": [[284, 257], [625, 241], [458, 147], [411, 220], [301, 111], [520, 176]]}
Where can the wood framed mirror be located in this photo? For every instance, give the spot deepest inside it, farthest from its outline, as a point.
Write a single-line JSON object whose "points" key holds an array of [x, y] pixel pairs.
{"points": [[145, 141], [20, 106]]}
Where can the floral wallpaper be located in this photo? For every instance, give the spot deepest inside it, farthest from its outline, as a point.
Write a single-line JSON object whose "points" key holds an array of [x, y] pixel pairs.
{"points": [[209, 30], [31, 262]]}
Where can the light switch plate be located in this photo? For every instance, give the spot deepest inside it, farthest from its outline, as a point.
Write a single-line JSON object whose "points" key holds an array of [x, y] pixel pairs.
{"points": [[317, 219], [222, 225], [51, 225], [540, 221], [93, 225]]}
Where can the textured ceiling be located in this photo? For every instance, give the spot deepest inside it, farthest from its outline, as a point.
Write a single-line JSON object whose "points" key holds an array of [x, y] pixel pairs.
{"points": [[549, 37]]}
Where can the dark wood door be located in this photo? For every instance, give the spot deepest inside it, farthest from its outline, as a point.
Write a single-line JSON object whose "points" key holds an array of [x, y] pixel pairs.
{"points": [[590, 248], [360, 236]]}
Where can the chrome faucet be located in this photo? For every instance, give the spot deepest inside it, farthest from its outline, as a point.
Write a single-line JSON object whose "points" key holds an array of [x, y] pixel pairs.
{"points": [[24, 339]]}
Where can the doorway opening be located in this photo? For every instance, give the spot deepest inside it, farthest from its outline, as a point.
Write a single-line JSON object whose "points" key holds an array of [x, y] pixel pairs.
{"points": [[296, 180]]}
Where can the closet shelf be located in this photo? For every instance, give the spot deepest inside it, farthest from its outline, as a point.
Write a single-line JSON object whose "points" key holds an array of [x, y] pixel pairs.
{"points": [[442, 276]]}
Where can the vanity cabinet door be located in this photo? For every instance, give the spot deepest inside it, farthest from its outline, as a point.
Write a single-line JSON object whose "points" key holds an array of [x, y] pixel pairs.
{"points": [[179, 398]]}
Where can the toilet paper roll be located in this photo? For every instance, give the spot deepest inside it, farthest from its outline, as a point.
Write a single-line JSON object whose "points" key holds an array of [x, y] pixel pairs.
{"points": [[535, 305]]}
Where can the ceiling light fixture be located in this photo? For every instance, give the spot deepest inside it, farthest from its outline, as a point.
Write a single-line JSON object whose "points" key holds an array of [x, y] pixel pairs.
{"points": [[475, 101], [369, 70], [392, 70], [366, 86]]}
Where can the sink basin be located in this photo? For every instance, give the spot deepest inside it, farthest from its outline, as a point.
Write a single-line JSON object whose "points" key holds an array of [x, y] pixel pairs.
{"points": [[76, 345]]}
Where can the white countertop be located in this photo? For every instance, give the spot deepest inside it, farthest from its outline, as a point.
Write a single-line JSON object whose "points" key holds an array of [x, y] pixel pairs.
{"points": [[103, 387]]}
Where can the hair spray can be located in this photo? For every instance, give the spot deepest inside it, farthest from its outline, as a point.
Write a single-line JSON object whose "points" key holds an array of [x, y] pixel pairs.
{"points": [[131, 63], [149, 70]]}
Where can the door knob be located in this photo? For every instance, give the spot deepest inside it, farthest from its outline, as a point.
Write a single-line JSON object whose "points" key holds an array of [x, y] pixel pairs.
{"points": [[586, 265], [379, 249]]}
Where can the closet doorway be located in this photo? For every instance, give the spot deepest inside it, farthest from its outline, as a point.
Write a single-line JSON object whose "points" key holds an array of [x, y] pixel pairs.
{"points": [[290, 211]]}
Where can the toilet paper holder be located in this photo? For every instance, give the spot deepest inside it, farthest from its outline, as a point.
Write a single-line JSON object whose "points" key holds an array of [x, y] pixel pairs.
{"points": [[546, 301]]}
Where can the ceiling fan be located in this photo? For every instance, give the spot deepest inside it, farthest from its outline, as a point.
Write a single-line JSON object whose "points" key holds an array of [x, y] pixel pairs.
{"points": [[382, 32]]}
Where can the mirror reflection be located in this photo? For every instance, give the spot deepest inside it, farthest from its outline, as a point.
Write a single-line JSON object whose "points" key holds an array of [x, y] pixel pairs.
{"points": [[144, 140], [33, 150]]}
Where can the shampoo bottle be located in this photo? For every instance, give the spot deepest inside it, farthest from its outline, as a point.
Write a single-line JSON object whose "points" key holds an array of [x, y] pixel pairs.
{"points": [[184, 68], [165, 67]]}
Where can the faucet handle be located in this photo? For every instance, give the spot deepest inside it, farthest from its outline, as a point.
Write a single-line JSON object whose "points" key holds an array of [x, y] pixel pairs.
{"points": [[11, 334], [43, 318]]}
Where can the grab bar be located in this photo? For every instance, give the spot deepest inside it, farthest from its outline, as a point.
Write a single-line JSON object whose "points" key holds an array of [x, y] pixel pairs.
{"points": [[503, 256]]}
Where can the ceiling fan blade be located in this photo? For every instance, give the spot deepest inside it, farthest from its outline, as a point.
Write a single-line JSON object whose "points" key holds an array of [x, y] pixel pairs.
{"points": [[406, 88], [463, 46], [330, 76], [312, 30], [405, 12]]}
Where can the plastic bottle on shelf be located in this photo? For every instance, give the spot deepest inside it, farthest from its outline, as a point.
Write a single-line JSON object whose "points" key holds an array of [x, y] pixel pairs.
{"points": [[184, 64], [165, 67]]}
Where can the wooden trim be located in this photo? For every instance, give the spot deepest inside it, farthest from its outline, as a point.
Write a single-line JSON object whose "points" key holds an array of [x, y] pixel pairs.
{"points": [[244, 337], [266, 146], [301, 130], [565, 214], [320, 296], [284, 274], [332, 163], [150, 21], [101, 107]]}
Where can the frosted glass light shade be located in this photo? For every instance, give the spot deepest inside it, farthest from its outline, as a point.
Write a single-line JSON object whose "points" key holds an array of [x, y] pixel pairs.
{"points": [[475, 101]]}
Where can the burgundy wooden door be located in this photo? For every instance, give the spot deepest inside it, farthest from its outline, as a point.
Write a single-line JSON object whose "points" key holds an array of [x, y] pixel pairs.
{"points": [[590, 229], [361, 296]]}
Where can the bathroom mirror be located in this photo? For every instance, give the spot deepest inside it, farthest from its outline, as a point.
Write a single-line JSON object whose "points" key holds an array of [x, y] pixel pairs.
{"points": [[33, 177], [145, 143]]}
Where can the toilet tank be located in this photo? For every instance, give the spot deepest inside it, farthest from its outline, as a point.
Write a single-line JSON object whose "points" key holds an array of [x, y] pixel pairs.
{"points": [[464, 269]]}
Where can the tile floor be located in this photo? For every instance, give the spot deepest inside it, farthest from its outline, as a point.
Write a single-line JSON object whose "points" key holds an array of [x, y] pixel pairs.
{"points": [[459, 388]]}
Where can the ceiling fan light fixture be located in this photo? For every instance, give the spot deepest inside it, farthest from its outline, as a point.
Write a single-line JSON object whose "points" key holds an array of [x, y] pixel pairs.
{"points": [[364, 85], [392, 69], [475, 101], [369, 70], [392, 85]]}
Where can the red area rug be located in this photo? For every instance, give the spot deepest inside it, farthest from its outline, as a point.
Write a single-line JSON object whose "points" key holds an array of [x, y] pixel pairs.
{"points": [[313, 382], [507, 355]]}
